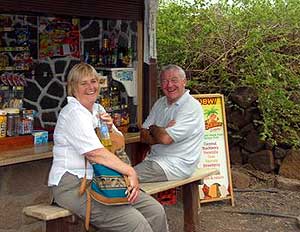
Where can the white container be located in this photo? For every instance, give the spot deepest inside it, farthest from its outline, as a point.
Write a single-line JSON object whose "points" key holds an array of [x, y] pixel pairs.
{"points": [[40, 136]]}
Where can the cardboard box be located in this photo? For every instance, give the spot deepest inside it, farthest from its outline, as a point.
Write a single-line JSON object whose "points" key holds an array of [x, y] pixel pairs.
{"points": [[40, 136]]}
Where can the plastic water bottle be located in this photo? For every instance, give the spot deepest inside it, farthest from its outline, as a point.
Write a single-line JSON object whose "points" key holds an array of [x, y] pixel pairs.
{"points": [[104, 134]]}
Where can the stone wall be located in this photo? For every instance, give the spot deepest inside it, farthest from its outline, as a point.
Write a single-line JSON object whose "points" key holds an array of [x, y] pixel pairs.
{"points": [[46, 82], [246, 148]]}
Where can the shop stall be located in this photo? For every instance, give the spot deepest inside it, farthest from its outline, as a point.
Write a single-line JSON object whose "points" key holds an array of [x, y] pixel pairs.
{"points": [[39, 43]]}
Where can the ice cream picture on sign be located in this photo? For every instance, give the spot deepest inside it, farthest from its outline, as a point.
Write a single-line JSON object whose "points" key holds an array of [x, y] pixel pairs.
{"points": [[212, 119]]}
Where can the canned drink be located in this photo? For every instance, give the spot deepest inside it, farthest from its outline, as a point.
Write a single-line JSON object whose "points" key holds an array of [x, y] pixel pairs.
{"points": [[3, 122]]}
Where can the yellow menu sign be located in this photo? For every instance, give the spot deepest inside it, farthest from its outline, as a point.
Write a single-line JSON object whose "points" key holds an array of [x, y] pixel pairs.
{"points": [[215, 153]]}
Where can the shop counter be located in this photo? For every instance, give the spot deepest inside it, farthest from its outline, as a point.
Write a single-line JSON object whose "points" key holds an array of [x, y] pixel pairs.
{"points": [[32, 152]]}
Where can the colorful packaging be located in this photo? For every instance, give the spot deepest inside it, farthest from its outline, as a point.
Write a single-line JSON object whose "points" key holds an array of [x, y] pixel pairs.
{"points": [[3, 121], [40, 136]]}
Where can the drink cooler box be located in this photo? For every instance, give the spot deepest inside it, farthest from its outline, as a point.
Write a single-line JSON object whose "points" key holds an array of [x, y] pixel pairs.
{"points": [[168, 197]]}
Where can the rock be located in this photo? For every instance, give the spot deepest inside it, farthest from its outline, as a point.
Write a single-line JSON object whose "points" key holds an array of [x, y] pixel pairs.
{"points": [[287, 183], [236, 155], [245, 155], [279, 153], [244, 96], [246, 130], [291, 165], [240, 180], [262, 160], [277, 163], [239, 118], [253, 143]]}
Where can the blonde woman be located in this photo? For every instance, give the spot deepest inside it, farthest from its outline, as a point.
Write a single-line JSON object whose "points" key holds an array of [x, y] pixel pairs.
{"points": [[75, 139]]}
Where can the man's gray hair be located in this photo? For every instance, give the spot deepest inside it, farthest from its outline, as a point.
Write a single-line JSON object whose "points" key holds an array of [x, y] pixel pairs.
{"points": [[173, 67]]}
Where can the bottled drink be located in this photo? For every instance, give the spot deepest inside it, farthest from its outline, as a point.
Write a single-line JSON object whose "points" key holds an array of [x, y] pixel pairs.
{"points": [[105, 53], [115, 97], [104, 98], [120, 57], [114, 57], [130, 57], [126, 58], [93, 57], [124, 115], [104, 134]]}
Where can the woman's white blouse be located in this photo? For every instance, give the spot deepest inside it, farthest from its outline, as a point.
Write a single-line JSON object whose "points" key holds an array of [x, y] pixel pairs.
{"points": [[74, 135]]}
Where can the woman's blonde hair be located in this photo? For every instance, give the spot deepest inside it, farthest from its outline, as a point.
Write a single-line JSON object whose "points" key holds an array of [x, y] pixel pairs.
{"points": [[76, 73]]}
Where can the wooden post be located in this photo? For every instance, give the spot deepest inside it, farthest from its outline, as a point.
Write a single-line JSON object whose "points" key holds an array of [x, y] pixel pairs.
{"points": [[153, 84], [191, 206], [150, 86], [140, 52]]}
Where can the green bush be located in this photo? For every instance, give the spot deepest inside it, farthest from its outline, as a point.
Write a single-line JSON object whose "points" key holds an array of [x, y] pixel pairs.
{"points": [[252, 43]]}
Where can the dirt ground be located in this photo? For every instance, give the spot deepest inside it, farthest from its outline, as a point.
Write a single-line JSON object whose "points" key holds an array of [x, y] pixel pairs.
{"points": [[213, 217]]}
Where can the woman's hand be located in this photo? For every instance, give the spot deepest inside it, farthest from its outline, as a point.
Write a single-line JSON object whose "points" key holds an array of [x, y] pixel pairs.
{"points": [[133, 189], [107, 119]]}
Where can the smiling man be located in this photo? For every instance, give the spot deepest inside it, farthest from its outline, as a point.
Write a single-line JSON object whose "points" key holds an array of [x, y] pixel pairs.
{"points": [[174, 129]]}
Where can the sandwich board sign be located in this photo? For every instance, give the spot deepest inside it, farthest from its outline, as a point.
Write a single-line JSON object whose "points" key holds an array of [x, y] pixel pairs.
{"points": [[215, 152]]}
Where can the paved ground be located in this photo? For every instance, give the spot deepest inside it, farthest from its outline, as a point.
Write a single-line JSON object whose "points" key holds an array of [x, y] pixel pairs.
{"points": [[214, 219]]}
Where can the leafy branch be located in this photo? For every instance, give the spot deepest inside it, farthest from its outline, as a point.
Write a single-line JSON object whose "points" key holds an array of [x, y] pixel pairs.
{"points": [[247, 43]]}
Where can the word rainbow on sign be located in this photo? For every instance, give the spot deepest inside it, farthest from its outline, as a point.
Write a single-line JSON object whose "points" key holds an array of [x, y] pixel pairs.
{"points": [[215, 152]]}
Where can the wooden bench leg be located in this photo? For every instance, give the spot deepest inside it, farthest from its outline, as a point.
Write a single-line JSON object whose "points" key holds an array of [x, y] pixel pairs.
{"points": [[191, 206], [66, 224]]}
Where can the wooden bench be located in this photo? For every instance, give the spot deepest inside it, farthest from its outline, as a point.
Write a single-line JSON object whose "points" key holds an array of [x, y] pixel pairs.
{"points": [[190, 194], [59, 219]]}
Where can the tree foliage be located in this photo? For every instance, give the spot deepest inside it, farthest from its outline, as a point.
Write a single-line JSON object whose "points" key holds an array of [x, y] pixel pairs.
{"points": [[252, 43]]}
